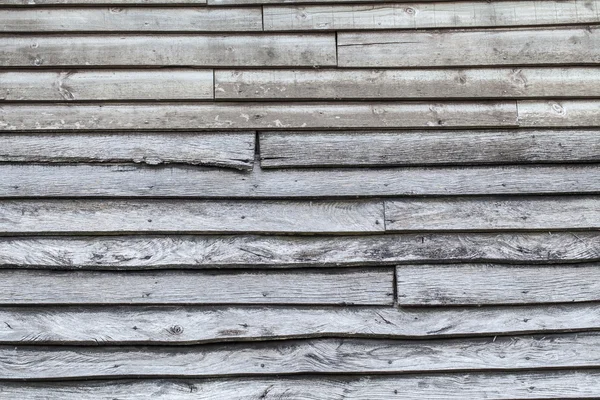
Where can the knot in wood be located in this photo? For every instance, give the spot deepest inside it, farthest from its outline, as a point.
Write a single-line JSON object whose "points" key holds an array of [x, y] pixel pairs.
{"points": [[176, 330]]}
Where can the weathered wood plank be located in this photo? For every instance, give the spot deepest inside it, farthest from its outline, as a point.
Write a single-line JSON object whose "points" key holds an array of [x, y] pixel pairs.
{"points": [[186, 116], [126, 19], [147, 252], [75, 85], [246, 2], [188, 216], [408, 83], [559, 113], [469, 48], [490, 214], [367, 287], [299, 357], [471, 284], [100, 2], [418, 148], [168, 50], [222, 149], [465, 14]]}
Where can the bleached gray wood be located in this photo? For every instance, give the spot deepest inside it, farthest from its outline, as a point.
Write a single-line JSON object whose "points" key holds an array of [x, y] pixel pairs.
{"points": [[415, 15], [187, 116], [469, 48], [490, 214], [404, 148], [366, 287], [300, 357], [222, 149], [569, 113], [245, 2], [148, 252], [471, 284], [408, 83], [75, 85], [93, 50], [129, 19], [101, 2], [188, 216]]}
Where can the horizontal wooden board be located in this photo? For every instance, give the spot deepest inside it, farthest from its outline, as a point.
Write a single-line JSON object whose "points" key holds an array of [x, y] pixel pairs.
{"points": [[222, 149], [474, 284], [490, 214], [186, 116], [367, 287], [125, 19], [454, 83], [301, 357], [469, 48], [417, 148], [415, 15], [76, 85], [245, 2], [93, 50], [148, 252], [559, 113], [100, 2], [188, 216]]}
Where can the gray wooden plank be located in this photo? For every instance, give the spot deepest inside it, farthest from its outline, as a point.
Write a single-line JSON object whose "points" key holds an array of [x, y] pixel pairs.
{"points": [[100, 2], [131, 19], [222, 149], [76, 85], [168, 49], [367, 287], [188, 216], [491, 214], [302, 357], [474, 284], [559, 113], [469, 48], [151, 252], [453, 83], [306, 115], [246, 2], [418, 148], [416, 15]]}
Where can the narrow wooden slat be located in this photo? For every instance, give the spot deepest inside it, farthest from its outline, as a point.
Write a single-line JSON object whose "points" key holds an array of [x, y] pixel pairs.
{"points": [[415, 15], [168, 50], [559, 113], [490, 214], [366, 287], [185, 216], [469, 48], [222, 149], [471, 284], [246, 2], [100, 2], [418, 148]]}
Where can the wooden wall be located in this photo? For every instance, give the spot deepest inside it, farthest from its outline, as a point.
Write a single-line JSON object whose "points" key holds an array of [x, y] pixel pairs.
{"points": [[299, 199]]}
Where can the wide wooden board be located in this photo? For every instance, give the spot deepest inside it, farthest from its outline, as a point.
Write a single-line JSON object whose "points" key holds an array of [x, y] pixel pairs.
{"points": [[570, 113]]}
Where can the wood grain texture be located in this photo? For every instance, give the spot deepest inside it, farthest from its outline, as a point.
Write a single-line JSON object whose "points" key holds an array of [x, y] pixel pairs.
{"points": [[465, 14], [490, 214], [246, 2], [367, 287], [100, 2], [188, 216], [475, 284], [188, 116], [149, 252], [80, 50], [418, 148], [568, 113], [221, 149], [469, 48], [77, 85]]}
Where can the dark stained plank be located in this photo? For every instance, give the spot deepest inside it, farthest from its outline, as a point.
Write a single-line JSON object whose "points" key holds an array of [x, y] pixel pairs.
{"points": [[559, 113]]}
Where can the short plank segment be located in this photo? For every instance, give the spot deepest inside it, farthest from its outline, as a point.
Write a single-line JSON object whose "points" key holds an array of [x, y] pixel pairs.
{"points": [[469, 48], [188, 216], [80, 50], [418, 148], [490, 214], [148, 252], [366, 287], [414, 15], [221, 149], [570, 113], [31, 3], [476, 284]]}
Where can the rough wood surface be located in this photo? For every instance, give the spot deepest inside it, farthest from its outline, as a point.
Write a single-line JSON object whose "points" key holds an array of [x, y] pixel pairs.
{"points": [[567, 113], [188, 216], [481, 214], [367, 287], [496, 284], [222, 149], [404, 148], [101, 2], [469, 48]]}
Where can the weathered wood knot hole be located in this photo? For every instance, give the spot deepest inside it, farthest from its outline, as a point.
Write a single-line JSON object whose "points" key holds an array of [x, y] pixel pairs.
{"points": [[116, 10], [558, 109], [37, 61], [409, 10], [176, 330], [34, 45]]}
